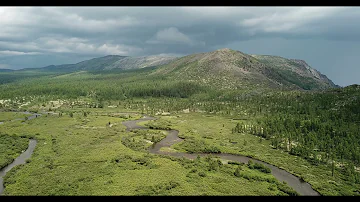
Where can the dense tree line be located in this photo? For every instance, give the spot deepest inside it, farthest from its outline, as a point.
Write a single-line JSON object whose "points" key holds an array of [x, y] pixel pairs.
{"points": [[321, 127], [101, 87]]}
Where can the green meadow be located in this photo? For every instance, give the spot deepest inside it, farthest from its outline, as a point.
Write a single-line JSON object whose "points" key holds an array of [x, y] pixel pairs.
{"points": [[84, 155]]}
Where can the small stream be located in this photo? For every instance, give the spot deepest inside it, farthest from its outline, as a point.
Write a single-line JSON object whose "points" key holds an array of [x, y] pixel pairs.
{"points": [[18, 161], [33, 115], [21, 159], [303, 188]]}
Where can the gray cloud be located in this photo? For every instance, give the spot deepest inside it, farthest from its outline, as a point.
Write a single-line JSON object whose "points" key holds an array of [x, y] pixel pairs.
{"points": [[170, 35], [68, 34], [9, 53]]}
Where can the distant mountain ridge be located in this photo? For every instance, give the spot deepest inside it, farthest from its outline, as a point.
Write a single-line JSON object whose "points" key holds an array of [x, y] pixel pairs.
{"points": [[114, 62], [6, 70], [223, 68], [230, 69]]}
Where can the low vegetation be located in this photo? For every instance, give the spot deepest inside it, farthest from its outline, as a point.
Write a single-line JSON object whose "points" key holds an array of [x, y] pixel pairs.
{"points": [[81, 155], [11, 146], [141, 140]]}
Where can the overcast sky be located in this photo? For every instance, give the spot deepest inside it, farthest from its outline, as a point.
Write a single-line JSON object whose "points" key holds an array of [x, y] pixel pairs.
{"points": [[327, 38]]}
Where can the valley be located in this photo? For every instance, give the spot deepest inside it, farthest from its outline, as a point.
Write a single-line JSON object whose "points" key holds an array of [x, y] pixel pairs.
{"points": [[106, 130]]}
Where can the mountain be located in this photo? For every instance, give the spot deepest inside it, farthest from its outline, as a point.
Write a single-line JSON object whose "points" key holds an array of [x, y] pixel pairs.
{"points": [[140, 62], [6, 70], [114, 62], [296, 71], [223, 68], [230, 69]]}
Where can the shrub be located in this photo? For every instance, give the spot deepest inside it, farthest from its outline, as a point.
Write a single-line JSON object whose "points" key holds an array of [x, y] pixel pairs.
{"points": [[211, 149], [237, 172], [159, 124], [158, 189], [196, 146], [202, 174], [235, 163], [259, 166], [213, 165]]}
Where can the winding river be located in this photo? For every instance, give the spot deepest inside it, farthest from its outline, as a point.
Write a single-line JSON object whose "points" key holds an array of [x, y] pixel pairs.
{"points": [[303, 188]]}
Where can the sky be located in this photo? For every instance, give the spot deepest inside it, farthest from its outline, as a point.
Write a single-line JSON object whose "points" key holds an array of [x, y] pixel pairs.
{"points": [[327, 38]]}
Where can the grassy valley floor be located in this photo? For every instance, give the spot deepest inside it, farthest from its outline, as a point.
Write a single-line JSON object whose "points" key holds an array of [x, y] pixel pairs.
{"points": [[84, 155], [204, 131]]}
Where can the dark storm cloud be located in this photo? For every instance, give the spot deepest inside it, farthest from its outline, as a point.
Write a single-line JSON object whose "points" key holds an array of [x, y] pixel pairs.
{"points": [[131, 31], [62, 34]]}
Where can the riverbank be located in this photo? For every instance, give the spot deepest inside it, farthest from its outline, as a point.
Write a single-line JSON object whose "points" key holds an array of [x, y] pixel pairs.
{"points": [[18, 161], [301, 187]]}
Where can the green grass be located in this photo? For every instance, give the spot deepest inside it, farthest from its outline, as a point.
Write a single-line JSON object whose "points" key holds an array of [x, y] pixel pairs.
{"points": [[8, 116], [83, 156], [141, 140], [158, 124]]}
